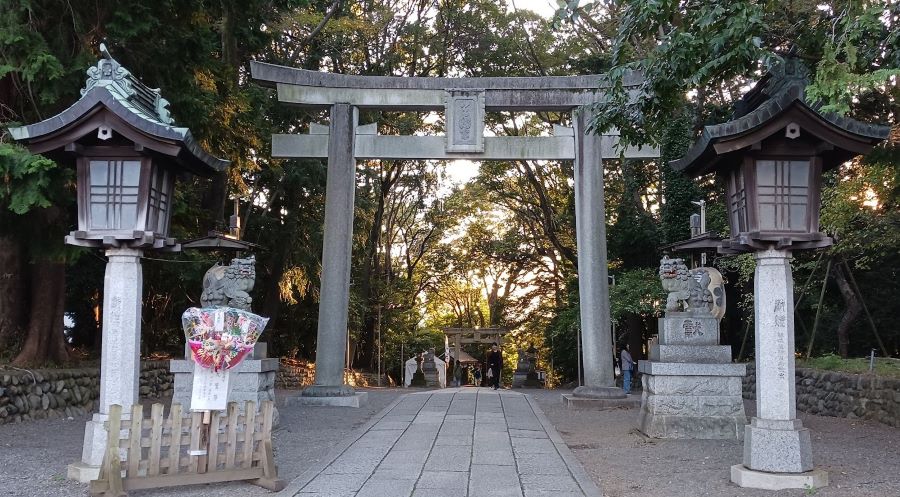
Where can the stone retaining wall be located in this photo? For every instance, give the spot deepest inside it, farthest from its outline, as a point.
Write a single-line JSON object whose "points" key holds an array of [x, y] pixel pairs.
{"points": [[295, 374], [841, 395], [56, 393]]}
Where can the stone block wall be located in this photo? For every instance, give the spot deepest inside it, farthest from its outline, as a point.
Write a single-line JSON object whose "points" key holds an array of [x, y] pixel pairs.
{"points": [[57, 393], [296, 374], [842, 395]]}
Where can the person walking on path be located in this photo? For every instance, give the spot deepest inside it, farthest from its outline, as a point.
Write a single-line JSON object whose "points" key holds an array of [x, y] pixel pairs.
{"points": [[627, 365], [495, 365]]}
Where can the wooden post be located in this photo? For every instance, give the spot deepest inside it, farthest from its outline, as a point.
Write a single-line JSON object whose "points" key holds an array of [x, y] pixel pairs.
{"points": [[134, 437], [203, 448], [175, 440], [231, 448], [156, 428], [249, 430], [212, 445]]}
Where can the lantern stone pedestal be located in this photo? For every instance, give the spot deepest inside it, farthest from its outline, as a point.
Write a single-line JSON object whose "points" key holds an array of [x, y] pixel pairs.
{"points": [[120, 359], [777, 448]]}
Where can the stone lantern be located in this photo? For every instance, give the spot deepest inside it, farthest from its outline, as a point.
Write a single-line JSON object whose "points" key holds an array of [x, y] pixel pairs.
{"points": [[771, 157], [127, 153]]}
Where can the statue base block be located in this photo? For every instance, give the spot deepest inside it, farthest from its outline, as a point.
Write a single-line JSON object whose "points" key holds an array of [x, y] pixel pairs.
{"points": [[252, 379], [432, 379], [524, 379], [704, 354], [688, 328], [519, 378], [692, 401]]}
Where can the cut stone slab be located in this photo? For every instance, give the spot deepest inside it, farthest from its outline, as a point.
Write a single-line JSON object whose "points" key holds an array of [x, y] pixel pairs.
{"points": [[687, 328], [770, 447], [356, 400], [573, 402], [747, 478], [702, 354], [687, 369]]}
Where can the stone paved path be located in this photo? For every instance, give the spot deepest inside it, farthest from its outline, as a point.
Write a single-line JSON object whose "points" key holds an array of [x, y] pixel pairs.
{"points": [[453, 442]]}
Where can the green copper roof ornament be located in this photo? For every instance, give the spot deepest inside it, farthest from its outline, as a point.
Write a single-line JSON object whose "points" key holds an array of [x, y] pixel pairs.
{"points": [[110, 74]]}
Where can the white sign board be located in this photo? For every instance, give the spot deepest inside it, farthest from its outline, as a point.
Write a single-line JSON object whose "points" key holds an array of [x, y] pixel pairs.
{"points": [[210, 390]]}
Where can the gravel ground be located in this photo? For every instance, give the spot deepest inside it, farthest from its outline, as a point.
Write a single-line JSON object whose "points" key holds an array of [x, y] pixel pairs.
{"points": [[862, 457], [34, 455]]}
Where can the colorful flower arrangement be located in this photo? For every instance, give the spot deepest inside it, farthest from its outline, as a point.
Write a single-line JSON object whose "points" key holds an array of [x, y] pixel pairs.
{"points": [[220, 337]]}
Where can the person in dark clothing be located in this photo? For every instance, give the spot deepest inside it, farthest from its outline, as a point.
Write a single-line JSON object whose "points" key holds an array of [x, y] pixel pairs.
{"points": [[495, 365]]}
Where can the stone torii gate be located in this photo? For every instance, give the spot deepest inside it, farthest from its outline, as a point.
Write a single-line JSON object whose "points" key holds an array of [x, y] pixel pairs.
{"points": [[464, 102], [457, 337]]}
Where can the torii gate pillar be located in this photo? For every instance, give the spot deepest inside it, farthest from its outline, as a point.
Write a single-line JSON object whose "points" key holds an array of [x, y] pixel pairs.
{"points": [[340, 190], [593, 283]]}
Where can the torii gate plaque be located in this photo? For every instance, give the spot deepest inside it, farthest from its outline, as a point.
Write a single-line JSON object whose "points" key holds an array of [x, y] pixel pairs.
{"points": [[464, 102]]}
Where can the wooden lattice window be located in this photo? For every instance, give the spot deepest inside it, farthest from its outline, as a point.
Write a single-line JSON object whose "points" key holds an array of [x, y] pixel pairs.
{"points": [[783, 194], [114, 191], [161, 186], [737, 203]]}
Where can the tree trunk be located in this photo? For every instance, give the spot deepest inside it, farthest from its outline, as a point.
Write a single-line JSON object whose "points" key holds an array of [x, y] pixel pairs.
{"points": [[366, 345], [635, 335], [45, 340], [851, 312], [12, 293]]}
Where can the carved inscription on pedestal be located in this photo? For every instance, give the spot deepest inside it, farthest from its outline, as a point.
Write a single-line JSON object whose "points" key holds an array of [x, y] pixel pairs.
{"points": [[465, 120], [692, 328], [780, 322]]}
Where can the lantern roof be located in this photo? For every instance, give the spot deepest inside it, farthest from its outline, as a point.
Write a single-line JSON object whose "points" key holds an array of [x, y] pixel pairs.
{"points": [[218, 241], [775, 101], [142, 115], [708, 241]]}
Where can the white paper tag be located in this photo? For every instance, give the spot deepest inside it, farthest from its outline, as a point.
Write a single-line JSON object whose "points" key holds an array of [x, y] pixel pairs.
{"points": [[210, 390], [219, 320]]}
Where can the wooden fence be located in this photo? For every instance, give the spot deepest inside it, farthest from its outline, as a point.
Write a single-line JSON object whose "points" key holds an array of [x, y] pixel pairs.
{"points": [[187, 448]]}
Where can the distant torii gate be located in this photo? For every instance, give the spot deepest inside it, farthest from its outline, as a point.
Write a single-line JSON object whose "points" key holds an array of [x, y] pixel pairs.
{"points": [[464, 102], [456, 337]]}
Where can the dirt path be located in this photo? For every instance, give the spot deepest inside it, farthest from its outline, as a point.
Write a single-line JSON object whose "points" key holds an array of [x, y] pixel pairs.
{"points": [[862, 457], [34, 455]]}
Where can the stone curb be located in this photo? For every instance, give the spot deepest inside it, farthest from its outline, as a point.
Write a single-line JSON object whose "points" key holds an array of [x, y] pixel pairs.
{"points": [[299, 482], [575, 468]]}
